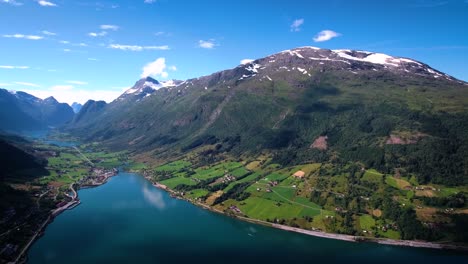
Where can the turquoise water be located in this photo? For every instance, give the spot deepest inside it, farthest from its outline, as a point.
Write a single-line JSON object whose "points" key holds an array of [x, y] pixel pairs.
{"points": [[128, 220], [42, 135], [61, 143]]}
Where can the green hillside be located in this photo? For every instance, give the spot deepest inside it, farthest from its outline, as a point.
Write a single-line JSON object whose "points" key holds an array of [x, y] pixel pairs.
{"points": [[383, 149]]}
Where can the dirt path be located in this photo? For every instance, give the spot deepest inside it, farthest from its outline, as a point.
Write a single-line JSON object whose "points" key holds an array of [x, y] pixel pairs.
{"points": [[84, 157], [25, 248]]}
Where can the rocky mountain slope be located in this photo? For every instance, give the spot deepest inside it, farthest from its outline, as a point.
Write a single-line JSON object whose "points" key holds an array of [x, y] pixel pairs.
{"points": [[20, 111], [385, 112]]}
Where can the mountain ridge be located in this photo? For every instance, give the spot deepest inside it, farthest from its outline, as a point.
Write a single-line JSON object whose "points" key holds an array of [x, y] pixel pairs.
{"points": [[284, 102], [22, 111]]}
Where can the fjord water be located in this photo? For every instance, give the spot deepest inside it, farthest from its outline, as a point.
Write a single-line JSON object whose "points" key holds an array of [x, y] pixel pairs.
{"points": [[128, 220]]}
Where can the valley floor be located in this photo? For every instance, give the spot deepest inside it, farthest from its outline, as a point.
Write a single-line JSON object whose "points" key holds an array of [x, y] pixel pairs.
{"points": [[343, 237], [316, 199]]}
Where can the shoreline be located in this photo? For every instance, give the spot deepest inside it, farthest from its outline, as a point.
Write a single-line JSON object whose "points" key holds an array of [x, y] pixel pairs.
{"points": [[342, 237], [54, 213]]}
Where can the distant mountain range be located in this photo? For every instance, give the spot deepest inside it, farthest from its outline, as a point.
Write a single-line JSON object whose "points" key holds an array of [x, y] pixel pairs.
{"points": [[20, 111], [76, 107], [299, 105]]}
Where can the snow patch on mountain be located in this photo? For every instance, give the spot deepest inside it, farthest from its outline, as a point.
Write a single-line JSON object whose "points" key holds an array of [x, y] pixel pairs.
{"points": [[293, 53], [376, 58], [253, 67]]}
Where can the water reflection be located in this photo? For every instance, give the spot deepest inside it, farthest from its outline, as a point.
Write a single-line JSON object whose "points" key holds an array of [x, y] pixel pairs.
{"points": [[153, 196]]}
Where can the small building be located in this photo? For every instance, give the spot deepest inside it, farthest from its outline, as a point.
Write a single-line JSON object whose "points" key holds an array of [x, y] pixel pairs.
{"points": [[299, 174]]}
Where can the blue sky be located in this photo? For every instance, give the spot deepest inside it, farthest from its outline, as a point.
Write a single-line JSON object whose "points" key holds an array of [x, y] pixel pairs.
{"points": [[81, 49]]}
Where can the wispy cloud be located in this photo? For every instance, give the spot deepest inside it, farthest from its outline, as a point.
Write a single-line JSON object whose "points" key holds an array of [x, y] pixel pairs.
{"points": [[97, 34], [109, 27], [326, 35], [77, 82], [296, 25], [150, 1], [159, 33], [207, 44], [45, 3], [92, 59], [11, 2], [11, 67], [137, 47], [21, 36], [27, 84], [48, 33], [246, 61], [66, 42], [155, 69]]}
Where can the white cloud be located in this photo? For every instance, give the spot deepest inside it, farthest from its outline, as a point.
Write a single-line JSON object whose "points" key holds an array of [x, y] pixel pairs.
{"points": [[206, 44], [76, 95], [137, 48], [150, 1], [77, 82], [21, 36], [45, 3], [109, 27], [48, 33], [173, 68], [296, 25], [11, 2], [97, 34], [92, 59], [67, 50], [154, 197], [245, 61], [10, 67], [61, 87], [73, 44], [160, 33], [27, 84], [155, 69], [325, 35]]}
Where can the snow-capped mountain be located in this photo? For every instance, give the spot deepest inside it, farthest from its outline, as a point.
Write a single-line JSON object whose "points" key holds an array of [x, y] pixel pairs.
{"points": [[145, 87], [302, 93], [308, 59], [23, 111]]}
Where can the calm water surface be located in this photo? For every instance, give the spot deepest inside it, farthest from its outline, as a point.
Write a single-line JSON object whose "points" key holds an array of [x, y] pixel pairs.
{"points": [[128, 220]]}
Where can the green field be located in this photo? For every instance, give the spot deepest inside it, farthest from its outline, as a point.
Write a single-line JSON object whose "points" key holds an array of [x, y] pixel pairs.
{"points": [[174, 166], [173, 182], [366, 222], [263, 209], [372, 175], [197, 193]]}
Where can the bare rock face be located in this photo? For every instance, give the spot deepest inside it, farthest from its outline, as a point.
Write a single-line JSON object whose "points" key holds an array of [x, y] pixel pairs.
{"points": [[404, 139], [320, 143]]}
